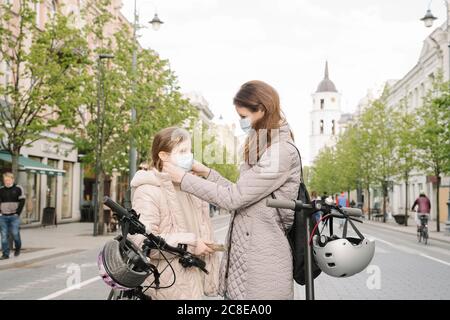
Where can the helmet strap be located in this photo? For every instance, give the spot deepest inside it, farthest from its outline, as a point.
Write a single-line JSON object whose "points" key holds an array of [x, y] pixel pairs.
{"points": [[125, 229]]}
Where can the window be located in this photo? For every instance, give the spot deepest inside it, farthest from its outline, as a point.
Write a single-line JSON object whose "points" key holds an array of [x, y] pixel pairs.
{"points": [[333, 127], [32, 188], [37, 8], [421, 187], [53, 8], [416, 98], [67, 191], [333, 99], [51, 185], [422, 93], [321, 126], [7, 73], [322, 104]]}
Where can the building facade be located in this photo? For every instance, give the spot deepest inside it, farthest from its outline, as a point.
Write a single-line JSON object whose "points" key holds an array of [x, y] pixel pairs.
{"points": [[411, 89], [51, 172]]}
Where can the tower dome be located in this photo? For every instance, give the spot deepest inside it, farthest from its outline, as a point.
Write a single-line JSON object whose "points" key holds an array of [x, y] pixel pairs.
{"points": [[326, 85]]}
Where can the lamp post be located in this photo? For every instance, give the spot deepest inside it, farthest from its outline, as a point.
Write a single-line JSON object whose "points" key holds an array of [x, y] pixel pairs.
{"points": [[156, 24], [99, 141], [428, 20]]}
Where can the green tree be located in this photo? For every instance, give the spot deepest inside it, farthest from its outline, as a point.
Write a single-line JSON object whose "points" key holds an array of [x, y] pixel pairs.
{"points": [[215, 154], [364, 144], [151, 90], [347, 160], [434, 134], [405, 153], [383, 132], [44, 74], [325, 173]]}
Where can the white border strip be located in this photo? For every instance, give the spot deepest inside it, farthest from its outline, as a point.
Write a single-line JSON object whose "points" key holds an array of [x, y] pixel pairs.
{"points": [[63, 291]]}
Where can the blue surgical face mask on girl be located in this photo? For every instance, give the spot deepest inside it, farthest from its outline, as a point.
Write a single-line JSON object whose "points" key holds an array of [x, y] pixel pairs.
{"points": [[246, 124], [184, 160]]}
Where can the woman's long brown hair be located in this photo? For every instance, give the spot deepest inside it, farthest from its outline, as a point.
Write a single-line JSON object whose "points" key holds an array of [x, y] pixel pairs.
{"points": [[257, 95]]}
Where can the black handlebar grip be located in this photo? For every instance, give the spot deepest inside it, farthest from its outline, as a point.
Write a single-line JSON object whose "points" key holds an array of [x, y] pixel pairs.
{"points": [[115, 207], [353, 212]]}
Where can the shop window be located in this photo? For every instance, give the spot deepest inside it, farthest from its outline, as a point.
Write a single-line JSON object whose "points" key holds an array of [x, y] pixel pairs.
{"points": [[67, 191]]}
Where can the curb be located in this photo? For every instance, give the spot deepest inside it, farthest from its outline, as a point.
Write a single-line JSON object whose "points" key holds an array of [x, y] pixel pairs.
{"points": [[26, 262]]}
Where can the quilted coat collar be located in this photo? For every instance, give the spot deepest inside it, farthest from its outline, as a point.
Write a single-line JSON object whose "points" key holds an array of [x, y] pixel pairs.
{"points": [[151, 177]]}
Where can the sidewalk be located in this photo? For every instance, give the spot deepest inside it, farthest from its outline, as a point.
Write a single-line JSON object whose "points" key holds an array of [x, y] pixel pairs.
{"points": [[412, 229], [41, 243]]}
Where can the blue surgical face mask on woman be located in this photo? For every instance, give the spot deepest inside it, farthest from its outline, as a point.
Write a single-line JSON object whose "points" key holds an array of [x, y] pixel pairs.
{"points": [[184, 160], [246, 124]]}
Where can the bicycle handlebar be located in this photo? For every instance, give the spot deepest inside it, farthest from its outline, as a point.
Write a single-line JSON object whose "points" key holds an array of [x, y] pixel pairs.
{"points": [[187, 259]]}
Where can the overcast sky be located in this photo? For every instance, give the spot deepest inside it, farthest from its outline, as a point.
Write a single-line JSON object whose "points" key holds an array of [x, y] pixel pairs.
{"points": [[216, 45]]}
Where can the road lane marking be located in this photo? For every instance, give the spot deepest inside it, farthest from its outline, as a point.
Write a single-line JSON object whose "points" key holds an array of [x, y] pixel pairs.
{"points": [[435, 259], [380, 250], [221, 229], [84, 283], [396, 246], [78, 286], [412, 251]]}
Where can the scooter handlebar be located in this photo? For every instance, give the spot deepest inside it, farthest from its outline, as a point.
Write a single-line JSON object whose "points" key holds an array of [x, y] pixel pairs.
{"points": [[287, 204], [352, 212], [298, 205]]}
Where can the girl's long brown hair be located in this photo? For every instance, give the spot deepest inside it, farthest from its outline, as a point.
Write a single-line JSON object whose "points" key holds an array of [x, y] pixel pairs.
{"points": [[165, 140], [257, 95]]}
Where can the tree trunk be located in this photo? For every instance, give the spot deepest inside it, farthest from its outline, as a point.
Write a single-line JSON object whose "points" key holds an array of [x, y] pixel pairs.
{"points": [[368, 200], [438, 227], [15, 162], [101, 191], [384, 186], [406, 201]]}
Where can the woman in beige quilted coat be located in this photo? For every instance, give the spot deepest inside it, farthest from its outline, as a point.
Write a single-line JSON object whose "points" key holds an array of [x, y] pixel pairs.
{"points": [[177, 216], [258, 260]]}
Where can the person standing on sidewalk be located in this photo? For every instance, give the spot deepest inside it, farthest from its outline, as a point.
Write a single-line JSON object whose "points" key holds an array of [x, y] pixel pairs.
{"points": [[318, 214], [342, 201], [424, 207], [12, 201]]}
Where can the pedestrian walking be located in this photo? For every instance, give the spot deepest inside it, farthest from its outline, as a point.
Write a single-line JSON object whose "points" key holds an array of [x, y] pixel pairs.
{"points": [[12, 201]]}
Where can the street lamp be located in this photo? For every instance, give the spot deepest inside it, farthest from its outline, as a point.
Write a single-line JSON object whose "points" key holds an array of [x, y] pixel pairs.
{"points": [[428, 20], [99, 136], [156, 24]]}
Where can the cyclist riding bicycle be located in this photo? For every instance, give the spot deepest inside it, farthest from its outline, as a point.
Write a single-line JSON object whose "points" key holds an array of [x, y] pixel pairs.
{"points": [[423, 209]]}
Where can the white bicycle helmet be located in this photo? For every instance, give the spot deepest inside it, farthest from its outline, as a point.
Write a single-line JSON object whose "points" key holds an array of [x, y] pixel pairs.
{"points": [[122, 265], [343, 257]]}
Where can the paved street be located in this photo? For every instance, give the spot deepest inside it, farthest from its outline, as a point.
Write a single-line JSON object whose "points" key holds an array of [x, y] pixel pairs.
{"points": [[401, 269]]}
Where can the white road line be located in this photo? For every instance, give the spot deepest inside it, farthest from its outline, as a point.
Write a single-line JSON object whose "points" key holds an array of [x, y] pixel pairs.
{"points": [[383, 241], [61, 292], [221, 229], [396, 246], [85, 283], [435, 259], [380, 250], [412, 251]]}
